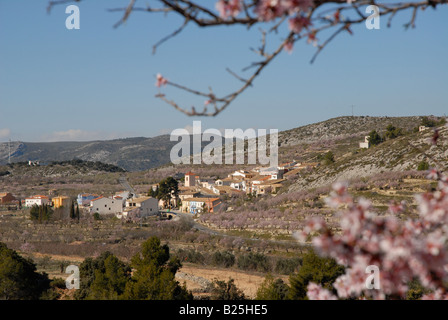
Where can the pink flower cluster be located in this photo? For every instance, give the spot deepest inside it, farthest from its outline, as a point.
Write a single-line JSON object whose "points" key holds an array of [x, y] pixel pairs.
{"points": [[267, 10], [228, 8], [316, 292], [402, 250], [161, 81]]}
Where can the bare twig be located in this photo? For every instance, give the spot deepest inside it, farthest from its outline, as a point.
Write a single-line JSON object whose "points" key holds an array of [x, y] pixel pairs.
{"points": [[324, 15]]}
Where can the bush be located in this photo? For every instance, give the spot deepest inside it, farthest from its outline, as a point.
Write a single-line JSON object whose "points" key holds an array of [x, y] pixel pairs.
{"points": [[254, 262], [4, 173], [223, 259], [327, 158], [323, 271], [96, 216], [222, 290], [272, 289], [392, 132], [375, 138], [287, 266], [422, 166], [18, 277], [190, 255], [427, 122]]}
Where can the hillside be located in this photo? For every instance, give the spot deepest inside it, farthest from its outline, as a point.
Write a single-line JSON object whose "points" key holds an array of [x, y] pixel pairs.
{"points": [[395, 155], [343, 128], [132, 154], [137, 154]]}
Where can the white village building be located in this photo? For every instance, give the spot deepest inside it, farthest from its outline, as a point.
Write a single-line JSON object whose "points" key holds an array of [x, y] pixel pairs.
{"points": [[147, 205], [104, 205], [36, 200]]}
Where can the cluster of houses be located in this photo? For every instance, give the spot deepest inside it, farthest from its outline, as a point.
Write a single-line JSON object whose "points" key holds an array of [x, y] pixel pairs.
{"points": [[7, 198], [200, 195], [196, 195], [121, 204]]}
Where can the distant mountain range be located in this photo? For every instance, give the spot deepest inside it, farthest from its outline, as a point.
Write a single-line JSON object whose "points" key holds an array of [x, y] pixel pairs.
{"points": [[132, 154], [136, 154]]}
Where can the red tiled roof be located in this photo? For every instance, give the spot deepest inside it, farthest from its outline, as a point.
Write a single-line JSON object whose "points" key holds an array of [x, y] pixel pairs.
{"points": [[38, 196]]}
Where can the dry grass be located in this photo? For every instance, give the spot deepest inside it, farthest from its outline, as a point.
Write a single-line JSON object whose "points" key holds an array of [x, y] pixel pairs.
{"points": [[248, 282]]}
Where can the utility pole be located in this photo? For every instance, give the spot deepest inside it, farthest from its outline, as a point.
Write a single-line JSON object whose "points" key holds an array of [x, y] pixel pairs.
{"points": [[352, 111], [9, 146]]}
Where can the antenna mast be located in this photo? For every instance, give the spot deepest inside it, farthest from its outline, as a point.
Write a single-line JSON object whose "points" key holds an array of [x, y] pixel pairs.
{"points": [[9, 156]]}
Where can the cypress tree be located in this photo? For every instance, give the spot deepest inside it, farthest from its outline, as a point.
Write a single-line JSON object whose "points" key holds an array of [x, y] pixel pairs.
{"points": [[72, 211]]}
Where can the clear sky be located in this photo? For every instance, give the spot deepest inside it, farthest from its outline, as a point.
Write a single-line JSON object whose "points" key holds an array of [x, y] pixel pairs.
{"points": [[98, 82]]}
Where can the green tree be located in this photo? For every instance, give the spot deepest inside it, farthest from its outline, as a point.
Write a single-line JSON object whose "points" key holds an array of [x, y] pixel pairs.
{"points": [[154, 275], [41, 213], [72, 211], [272, 289], [222, 290], [168, 188], [375, 138], [392, 132], [18, 277], [427, 122], [153, 193], [77, 215], [110, 282], [328, 158], [104, 277], [323, 271], [423, 165]]}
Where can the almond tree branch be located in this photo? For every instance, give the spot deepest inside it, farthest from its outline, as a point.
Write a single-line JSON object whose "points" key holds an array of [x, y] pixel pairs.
{"points": [[339, 15]]}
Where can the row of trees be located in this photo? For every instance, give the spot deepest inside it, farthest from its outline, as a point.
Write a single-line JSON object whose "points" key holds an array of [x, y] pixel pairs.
{"points": [[74, 212], [41, 213], [149, 276], [45, 212]]}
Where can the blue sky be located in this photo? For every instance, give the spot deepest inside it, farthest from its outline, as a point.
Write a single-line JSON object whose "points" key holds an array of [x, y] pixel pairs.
{"points": [[98, 82]]}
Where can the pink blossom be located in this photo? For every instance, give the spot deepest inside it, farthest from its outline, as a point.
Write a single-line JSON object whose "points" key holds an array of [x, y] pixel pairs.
{"points": [[297, 23], [403, 250], [437, 295], [434, 137], [299, 5], [312, 38], [267, 10], [288, 46], [337, 16], [161, 81], [433, 174], [228, 8], [316, 292], [396, 208]]}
